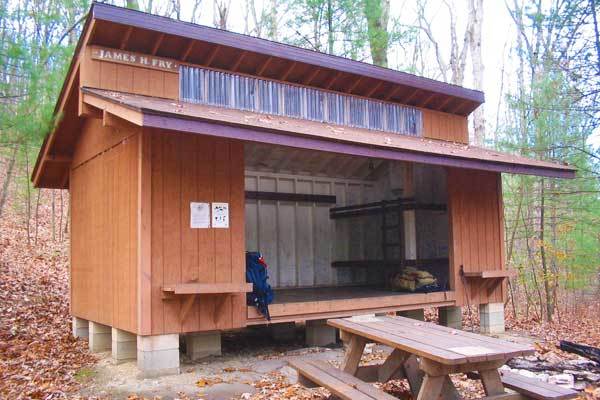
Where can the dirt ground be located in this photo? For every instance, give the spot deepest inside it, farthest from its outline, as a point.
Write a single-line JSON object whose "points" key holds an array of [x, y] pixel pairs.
{"points": [[251, 360], [253, 366]]}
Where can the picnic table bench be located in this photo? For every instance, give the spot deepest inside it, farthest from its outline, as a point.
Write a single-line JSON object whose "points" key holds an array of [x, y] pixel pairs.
{"points": [[425, 354]]}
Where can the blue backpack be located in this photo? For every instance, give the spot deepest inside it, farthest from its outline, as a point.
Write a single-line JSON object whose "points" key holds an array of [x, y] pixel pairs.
{"points": [[262, 293]]}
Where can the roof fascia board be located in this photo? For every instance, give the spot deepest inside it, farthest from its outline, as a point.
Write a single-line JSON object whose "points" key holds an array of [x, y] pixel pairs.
{"points": [[119, 110], [254, 135], [203, 33]]}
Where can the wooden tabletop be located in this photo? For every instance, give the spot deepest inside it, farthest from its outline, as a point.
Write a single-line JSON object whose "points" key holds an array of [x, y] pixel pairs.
{"points": [[435, 342]]}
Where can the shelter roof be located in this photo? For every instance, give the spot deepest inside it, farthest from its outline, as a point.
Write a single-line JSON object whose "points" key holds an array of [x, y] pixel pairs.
{"points": [[152, 112]]}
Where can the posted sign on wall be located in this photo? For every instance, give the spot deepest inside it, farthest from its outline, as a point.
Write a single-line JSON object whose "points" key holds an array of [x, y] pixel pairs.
{"points": [[135, 59], [207, 215]]}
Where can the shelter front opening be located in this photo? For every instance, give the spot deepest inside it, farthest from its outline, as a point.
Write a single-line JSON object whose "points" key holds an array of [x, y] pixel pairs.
{"points": [[343, 234]]}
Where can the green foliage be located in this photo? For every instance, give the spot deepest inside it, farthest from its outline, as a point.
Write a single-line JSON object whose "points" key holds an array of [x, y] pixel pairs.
{"points": [[35, 51]]}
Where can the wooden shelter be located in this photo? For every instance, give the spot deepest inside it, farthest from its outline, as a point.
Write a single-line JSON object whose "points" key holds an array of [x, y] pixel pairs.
{"points": [[185, 146]]}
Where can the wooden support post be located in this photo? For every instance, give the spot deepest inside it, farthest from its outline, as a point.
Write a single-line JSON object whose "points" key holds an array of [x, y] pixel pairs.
{"points": [[354, 354]]}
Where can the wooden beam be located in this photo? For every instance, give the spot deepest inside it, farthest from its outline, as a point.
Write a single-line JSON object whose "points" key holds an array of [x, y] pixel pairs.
{"points": [[88, 111], [410, 96], [332, 80], [125, 39], [127, 114], [458, 107], [444, 103], [288, 71], [354, 85], [158, 43], [264, 66], [58, 158], [311, 77], [293, 197], [188, 50], [212, 55], [207, 288], [237, 63], [425, 102], [186, 307], [374, 89], [392, 93]]}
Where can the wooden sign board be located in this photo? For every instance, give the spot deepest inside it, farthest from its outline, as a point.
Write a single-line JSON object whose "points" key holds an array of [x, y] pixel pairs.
{"points": [[134, 59]]}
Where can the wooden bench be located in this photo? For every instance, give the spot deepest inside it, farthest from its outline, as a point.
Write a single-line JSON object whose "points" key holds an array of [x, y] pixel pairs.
{"points": [[338, 382], [534, 388], [191, 290]]}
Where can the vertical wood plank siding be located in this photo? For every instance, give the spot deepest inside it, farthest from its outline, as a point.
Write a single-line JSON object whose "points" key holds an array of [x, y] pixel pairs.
{"points": [[477, 231], [127, 78], [191, 168], [442, 126], [103, 188]]}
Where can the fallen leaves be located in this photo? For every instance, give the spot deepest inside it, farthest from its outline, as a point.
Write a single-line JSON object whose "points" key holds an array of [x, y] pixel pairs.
{"points": [[38, 357]]}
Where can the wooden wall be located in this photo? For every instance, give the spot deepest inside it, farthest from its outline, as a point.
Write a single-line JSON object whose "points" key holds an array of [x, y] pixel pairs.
{"points": [[299, 240], [191, 168], [477, 230], [127, 78], [103, 190], [442, 126]]}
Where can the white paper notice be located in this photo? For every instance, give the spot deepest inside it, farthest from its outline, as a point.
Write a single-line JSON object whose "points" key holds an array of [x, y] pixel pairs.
{"points": [[199, 215], [220, 215]]}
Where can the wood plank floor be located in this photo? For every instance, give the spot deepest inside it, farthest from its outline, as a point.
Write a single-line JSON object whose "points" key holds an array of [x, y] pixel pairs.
{"points": [[298, 295]]}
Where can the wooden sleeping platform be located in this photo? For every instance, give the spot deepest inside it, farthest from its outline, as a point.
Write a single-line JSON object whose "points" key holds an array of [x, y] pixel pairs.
{"points": [[297, 304]]}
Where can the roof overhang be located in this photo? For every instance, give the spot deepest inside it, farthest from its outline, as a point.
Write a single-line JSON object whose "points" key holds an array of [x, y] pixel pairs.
{"points": [[174, 116]]}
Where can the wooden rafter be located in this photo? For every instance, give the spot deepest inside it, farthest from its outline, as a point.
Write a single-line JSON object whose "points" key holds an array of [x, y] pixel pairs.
{"points": [[410, 96], [312, 76], [444, 103], [158, 43], [458, 107], [239, 60], [355, 84], [212, 55], [392, 93], [261, 70], [332, 80], [125, 39], [288, 71], [427, 100], [374, 89], [188, 51]]}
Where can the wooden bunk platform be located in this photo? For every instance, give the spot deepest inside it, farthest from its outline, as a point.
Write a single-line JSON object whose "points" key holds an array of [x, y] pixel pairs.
{"points": [[299, 304]]}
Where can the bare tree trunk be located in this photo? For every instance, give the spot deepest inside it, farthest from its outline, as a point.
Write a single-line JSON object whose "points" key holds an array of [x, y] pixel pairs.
{"points": [[221, 13], [377, 13], [330, 33], [476, 18], [60, 235], [28, 195], [37, 215], [273, 24], [53, 216], [547, 289], [9, 174]]}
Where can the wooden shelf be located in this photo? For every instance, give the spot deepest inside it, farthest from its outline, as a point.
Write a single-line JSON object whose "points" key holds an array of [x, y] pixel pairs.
{"points": [[494, 274], [380, 207], [207, 288], [397, 263]]}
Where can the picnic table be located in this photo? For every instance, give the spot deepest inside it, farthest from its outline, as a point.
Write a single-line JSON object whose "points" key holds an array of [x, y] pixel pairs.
{"points": [[425, 354]]}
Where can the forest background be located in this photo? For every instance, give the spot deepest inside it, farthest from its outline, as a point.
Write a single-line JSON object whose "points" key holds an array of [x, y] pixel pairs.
{"points": [[538, 62]]}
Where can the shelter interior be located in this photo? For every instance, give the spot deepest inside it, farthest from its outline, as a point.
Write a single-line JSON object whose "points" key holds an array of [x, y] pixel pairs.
{"points": [[346, 225]]}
